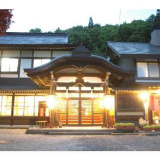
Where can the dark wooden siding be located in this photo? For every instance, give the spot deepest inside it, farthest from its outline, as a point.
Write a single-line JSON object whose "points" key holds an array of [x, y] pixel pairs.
{"points": [[129, 102], [18, 120]]}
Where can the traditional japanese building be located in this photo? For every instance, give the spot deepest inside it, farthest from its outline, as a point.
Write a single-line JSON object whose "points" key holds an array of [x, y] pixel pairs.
{"points": [[123, 85]]}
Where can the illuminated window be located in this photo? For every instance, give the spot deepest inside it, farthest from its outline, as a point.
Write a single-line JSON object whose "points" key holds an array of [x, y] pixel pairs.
{"points": [[38, 62], [145, 69], [74, 88], [19, 106], [9, 65], [5, 105], [85, 88], [153, 69], [27, 105]]}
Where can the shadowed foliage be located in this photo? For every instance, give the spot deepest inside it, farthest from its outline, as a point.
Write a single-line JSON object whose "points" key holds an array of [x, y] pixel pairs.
{"points": [[5, 20]]}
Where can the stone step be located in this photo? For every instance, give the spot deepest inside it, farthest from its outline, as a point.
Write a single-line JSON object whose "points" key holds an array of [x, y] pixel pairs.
{"points": [[69, 131], [78, 133]]}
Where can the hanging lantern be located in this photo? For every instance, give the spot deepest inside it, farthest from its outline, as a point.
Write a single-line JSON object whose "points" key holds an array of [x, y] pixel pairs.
{"points": [[145, 98], [51, 100], [108, 101]]}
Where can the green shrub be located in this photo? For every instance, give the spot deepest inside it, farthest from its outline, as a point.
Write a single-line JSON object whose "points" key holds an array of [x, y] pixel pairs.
{"points": [[124, 124], [151, 126]]}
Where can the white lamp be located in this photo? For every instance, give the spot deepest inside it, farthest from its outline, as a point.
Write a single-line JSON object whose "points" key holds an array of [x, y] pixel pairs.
{"points": [[51, 100], [108, 101]]}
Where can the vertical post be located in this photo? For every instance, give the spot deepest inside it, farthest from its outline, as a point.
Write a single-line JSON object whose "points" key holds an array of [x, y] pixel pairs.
{"points": [[67, 112], [104, 117], [51, 118], [80, 107], [52, 115], [106, 92], [12, 110], [92, 96], [52, 86], [115, 107]]}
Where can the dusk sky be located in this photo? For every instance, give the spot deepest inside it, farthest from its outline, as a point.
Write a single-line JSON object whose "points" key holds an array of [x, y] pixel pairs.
{"points": [[51, 14]]}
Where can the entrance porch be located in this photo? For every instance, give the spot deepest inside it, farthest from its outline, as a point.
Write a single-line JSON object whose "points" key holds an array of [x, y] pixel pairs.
{"points": [[82, 85]]}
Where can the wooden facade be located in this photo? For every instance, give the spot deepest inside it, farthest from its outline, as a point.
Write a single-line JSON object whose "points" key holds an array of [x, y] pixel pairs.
{"points": [[73, 67]]}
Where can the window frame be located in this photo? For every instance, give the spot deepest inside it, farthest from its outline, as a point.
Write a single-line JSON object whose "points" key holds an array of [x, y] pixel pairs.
{"points": [[24, 106], [40, 58], [2, 103], [10, 72], [147, 62]]}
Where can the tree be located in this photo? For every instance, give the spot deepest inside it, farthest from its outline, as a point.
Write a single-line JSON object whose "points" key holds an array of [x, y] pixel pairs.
{"points": [[124, 32], [36, 30], [79, 35], [90, 24], [58, 30], [5, 20], [157, 18], [151, 18], [136, 31]]}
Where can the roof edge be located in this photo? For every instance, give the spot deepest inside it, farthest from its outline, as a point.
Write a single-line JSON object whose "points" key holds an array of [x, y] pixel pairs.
{"points": [[35, 34]]}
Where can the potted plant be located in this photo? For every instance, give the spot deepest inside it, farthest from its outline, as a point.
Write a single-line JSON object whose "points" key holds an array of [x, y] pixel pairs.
{"points": [[151, 127], [156, 127], [125, 126], [143, 122], [119, 126]]}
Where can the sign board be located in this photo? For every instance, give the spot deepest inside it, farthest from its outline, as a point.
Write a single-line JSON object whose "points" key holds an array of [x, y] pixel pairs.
{"points": [[43, 112]]}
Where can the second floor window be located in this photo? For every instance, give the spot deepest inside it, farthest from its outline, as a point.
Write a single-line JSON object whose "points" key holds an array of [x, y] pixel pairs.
{"points": [[147, 69], [38, 62], [9, 65]]}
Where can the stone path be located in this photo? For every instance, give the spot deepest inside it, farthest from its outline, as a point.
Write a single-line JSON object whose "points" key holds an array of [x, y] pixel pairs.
{"points": [[17, 140]]}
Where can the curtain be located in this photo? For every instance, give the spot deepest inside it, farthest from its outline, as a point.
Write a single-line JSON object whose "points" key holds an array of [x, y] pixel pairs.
{"points": [[155, 102]]}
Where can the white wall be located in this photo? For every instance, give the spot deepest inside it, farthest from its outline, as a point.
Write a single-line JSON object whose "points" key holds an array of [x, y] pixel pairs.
{"points": [[25, 63]]}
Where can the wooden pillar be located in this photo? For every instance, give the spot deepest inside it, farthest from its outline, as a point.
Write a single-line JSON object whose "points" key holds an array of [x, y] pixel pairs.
{"points": [[80, 107], [115, 116], [12, 109], [150, 118]]}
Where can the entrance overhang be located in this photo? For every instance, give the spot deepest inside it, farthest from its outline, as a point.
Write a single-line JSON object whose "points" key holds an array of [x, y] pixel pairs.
{"points": [[79, 63]]}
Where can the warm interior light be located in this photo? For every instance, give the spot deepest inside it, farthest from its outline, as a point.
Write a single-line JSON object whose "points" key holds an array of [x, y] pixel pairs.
{"points": [[101, 104], [51, 101], [146, 105], [108, 101], [157, 121], [67, 93], [92, 93], [157, 91], [144, 96]]}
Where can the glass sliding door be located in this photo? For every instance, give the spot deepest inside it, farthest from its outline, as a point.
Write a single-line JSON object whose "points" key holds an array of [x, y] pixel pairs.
{"points": [[86, 112], [97, 112], [62, 111], [73, 111]]}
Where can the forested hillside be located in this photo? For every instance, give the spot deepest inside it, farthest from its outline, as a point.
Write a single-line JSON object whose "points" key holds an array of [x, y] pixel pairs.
{"points": [[95, 36]]}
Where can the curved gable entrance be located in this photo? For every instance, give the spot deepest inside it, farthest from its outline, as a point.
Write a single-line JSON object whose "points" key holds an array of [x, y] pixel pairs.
{"points": [[80, 79]]}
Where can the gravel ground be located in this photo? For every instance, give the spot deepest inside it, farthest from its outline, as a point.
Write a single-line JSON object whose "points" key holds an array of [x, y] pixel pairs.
{"points": [[17, 140]]}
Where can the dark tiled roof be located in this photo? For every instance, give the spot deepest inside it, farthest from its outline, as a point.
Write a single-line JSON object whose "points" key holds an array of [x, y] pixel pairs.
{"points": [[25, 84], [132, 49], [40, 75], [17, 82], [23, 38]]}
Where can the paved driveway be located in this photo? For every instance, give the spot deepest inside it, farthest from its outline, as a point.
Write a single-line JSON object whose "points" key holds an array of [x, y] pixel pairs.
{"points": [[17, 140]]}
